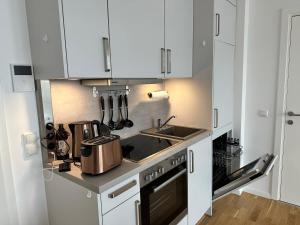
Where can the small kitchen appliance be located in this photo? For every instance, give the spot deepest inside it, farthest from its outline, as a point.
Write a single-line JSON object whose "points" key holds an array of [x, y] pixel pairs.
{"points": [[82, 130], [100, 154]]}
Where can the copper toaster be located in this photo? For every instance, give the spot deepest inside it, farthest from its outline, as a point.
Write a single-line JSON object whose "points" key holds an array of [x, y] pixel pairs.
{"points": [[100, 154]]}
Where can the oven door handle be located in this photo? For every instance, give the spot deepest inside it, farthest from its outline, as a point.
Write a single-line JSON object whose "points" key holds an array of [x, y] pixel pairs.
{"points": [[169, 181]]}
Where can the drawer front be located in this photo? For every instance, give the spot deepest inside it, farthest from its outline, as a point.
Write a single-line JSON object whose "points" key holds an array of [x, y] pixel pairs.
{"points": [[119, 193], [127, 213]]}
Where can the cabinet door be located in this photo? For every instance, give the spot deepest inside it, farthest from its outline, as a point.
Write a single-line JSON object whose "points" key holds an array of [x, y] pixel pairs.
{"points": [[86, 24], [136, 37], [223, 84], [179, 38], [225, 21], [128, 213], [199, 180]]}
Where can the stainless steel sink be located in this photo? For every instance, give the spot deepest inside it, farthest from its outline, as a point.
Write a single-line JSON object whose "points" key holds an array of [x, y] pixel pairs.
{"points": [[175, 132]]}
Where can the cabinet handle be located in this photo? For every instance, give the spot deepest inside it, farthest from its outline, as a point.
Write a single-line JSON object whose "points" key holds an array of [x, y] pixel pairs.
{"points": [[218, 19], [122, 189], [169, 181], [138, 212], [163, 60], [169, 61], [192, 169], [106, 47], [216, 118]]}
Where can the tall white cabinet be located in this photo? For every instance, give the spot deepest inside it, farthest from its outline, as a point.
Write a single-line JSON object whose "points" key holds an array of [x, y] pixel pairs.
{"points": [[223, 66]]}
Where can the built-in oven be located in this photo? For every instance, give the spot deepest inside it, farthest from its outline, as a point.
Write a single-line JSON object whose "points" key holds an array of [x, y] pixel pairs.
{"points": [[228, 174], [164, 191]]}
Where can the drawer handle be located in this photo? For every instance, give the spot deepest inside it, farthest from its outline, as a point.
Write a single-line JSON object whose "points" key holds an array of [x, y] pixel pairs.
{"points": [[122, 189]]}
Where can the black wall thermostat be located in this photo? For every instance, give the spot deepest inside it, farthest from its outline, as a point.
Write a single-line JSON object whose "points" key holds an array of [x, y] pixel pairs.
{"points": [[22, 78]]}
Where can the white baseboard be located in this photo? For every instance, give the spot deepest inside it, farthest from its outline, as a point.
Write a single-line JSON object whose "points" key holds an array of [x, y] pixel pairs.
{"points": [[257, 192]]}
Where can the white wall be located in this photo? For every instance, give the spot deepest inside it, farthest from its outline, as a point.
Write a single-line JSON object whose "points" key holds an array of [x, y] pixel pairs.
{"points": [[21, 116], [261, 83]]}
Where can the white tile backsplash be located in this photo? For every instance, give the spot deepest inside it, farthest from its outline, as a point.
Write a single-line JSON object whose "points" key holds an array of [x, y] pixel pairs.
{"points": [[73, 102]]}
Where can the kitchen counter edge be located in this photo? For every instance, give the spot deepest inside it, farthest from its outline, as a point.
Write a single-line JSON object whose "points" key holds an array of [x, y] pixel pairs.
{"points": [[127, 169]]}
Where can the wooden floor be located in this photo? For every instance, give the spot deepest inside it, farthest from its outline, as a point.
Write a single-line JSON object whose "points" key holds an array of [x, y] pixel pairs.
{"points": [[249, 209]]}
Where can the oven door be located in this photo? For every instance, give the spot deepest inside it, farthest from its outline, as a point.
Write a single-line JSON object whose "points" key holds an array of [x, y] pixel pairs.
{"points": [[224, 184], [164, 201]]}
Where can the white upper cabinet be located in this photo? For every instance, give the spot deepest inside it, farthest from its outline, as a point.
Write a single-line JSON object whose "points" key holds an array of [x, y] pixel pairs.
{"points": [[223, 85], [86, 38], [225, 21], [136, 38], [178, 38]]}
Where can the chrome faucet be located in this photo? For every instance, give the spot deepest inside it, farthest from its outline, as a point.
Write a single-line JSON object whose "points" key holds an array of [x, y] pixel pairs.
{"points": [[159, 125]]}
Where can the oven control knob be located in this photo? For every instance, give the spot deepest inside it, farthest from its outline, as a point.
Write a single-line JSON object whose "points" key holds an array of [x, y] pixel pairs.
{"points": [[174, 162], [147, 177], [152, 175], [182, 157], [160, 170], [178, 159]]}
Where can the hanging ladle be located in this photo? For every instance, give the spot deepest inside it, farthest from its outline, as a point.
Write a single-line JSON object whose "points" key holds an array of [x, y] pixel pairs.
{"points": [[127, 122], [121, 122], [112, 124]]}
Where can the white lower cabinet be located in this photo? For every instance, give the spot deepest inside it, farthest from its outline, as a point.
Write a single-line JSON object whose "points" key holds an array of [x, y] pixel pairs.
{"points": [[126, 214], [199, 180]]}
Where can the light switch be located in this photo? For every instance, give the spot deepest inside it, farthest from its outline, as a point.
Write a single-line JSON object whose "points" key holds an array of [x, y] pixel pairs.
{"points": [[30, 143], [263, 113]]}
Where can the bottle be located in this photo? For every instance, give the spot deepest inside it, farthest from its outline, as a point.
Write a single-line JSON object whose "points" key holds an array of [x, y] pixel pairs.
{"points": [[62, 145]]}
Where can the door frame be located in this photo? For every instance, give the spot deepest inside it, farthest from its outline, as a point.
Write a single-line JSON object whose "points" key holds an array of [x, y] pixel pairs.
{"points": [[282, 85]]}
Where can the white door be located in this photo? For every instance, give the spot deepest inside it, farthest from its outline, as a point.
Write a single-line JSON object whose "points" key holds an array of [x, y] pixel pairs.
{"points": [[225, 21], [179, 38], [223, 84], [128, 213], [86, 37], [290, 183], [199, 180], [136, 37]]}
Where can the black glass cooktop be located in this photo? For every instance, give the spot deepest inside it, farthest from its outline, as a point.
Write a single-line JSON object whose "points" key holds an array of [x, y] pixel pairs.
{"points": [[140, 147]]}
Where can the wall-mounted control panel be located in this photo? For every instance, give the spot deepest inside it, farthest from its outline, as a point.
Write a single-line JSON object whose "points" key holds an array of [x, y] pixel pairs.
{"points": [[22, 78]]}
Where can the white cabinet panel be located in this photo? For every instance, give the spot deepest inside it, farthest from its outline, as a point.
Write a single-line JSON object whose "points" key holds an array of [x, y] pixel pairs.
{"points": [[199, 180], [136, 36], [86, 24], [125, 214], [122, 192], [179, 37], [225, 20], [70, 203], [223, 84]]}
